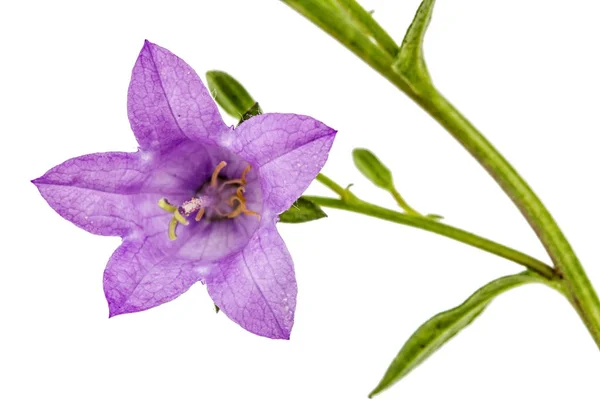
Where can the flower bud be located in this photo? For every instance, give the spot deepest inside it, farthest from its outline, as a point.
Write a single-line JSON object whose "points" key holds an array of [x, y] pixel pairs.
{"points": [[229, 94], [373, 169]]}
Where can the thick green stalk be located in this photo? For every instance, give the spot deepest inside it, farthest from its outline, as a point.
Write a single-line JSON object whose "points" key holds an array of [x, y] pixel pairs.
{"points": [[325, 14], [369, 25], [427, 224], [579, 289]]}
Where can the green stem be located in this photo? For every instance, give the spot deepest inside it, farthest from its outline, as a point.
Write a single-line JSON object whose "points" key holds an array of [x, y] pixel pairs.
{"points": [[403, 204], [430, 225], [345, 194], [579, 289], [332, 185], [369, 26], [347, 31]]}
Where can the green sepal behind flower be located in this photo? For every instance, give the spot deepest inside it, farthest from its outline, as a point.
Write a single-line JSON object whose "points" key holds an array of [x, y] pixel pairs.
{"points": [[303, 210]]}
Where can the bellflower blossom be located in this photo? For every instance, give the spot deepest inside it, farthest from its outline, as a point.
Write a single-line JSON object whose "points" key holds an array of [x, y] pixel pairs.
{"points": [[198, 201]]}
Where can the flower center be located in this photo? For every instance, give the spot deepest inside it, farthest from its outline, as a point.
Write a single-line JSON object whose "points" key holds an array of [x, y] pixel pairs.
{"points": [[215, 200]]}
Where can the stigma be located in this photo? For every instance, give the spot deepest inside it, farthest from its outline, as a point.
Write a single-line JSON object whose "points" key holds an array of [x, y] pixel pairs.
{"points": [[217, 199]]}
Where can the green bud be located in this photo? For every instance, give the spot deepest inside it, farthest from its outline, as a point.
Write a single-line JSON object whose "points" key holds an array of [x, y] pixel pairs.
{"points": [[372, 168], [229, 94], [302, 210]]}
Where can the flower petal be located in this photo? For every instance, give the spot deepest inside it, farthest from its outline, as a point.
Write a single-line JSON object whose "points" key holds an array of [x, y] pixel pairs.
{"points": [[149, 269], [94, 191], [167, 102], [289, 150], [140, 276], [257, 286]]}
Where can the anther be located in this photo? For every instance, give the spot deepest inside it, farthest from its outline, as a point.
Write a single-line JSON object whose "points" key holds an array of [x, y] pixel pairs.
{"points": [[215, 174], [236, 212], [241, 181], [240, 193], [248, 212], [231, 182], [241, 208], [200, 214], [239, 196], [195, 205], [244, 173], [221, 213]]}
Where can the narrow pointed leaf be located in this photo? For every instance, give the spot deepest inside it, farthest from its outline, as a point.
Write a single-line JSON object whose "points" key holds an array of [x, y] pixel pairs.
{"points": [[410, 61], [434, 333], [229, 93], [303, 210], [372, 168]]}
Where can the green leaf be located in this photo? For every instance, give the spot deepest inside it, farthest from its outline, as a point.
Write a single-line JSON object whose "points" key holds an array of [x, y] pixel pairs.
{"points": [[410, 62], [373, 169], [442, 327], [303, 210], [217, 309], [229, 93]]}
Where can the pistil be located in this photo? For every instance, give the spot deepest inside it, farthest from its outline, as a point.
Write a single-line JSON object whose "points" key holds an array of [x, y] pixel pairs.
{"points": [[199, 203]]}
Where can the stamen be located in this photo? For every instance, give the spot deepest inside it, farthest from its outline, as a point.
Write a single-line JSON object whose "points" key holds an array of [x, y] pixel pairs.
{"points": [[248, 212], [180, 218], [242, 181], [196, 204], [231, 182], [241, 208], [240, 193], [215, 175], [199, 215], [239, 196], [221, 213], [233, 199], [236, 212], [244, 173], [172, 226], [165, 205]]}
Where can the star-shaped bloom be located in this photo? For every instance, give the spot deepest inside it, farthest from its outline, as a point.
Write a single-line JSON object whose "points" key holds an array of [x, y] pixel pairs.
{"points": [[198, 201]]}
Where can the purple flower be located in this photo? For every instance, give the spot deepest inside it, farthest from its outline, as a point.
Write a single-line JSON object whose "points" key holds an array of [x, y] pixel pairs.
{"points": [[197, 202]]}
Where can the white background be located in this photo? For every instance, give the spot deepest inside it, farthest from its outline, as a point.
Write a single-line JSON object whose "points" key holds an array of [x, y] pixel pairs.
{"points": [[525, 72]]}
